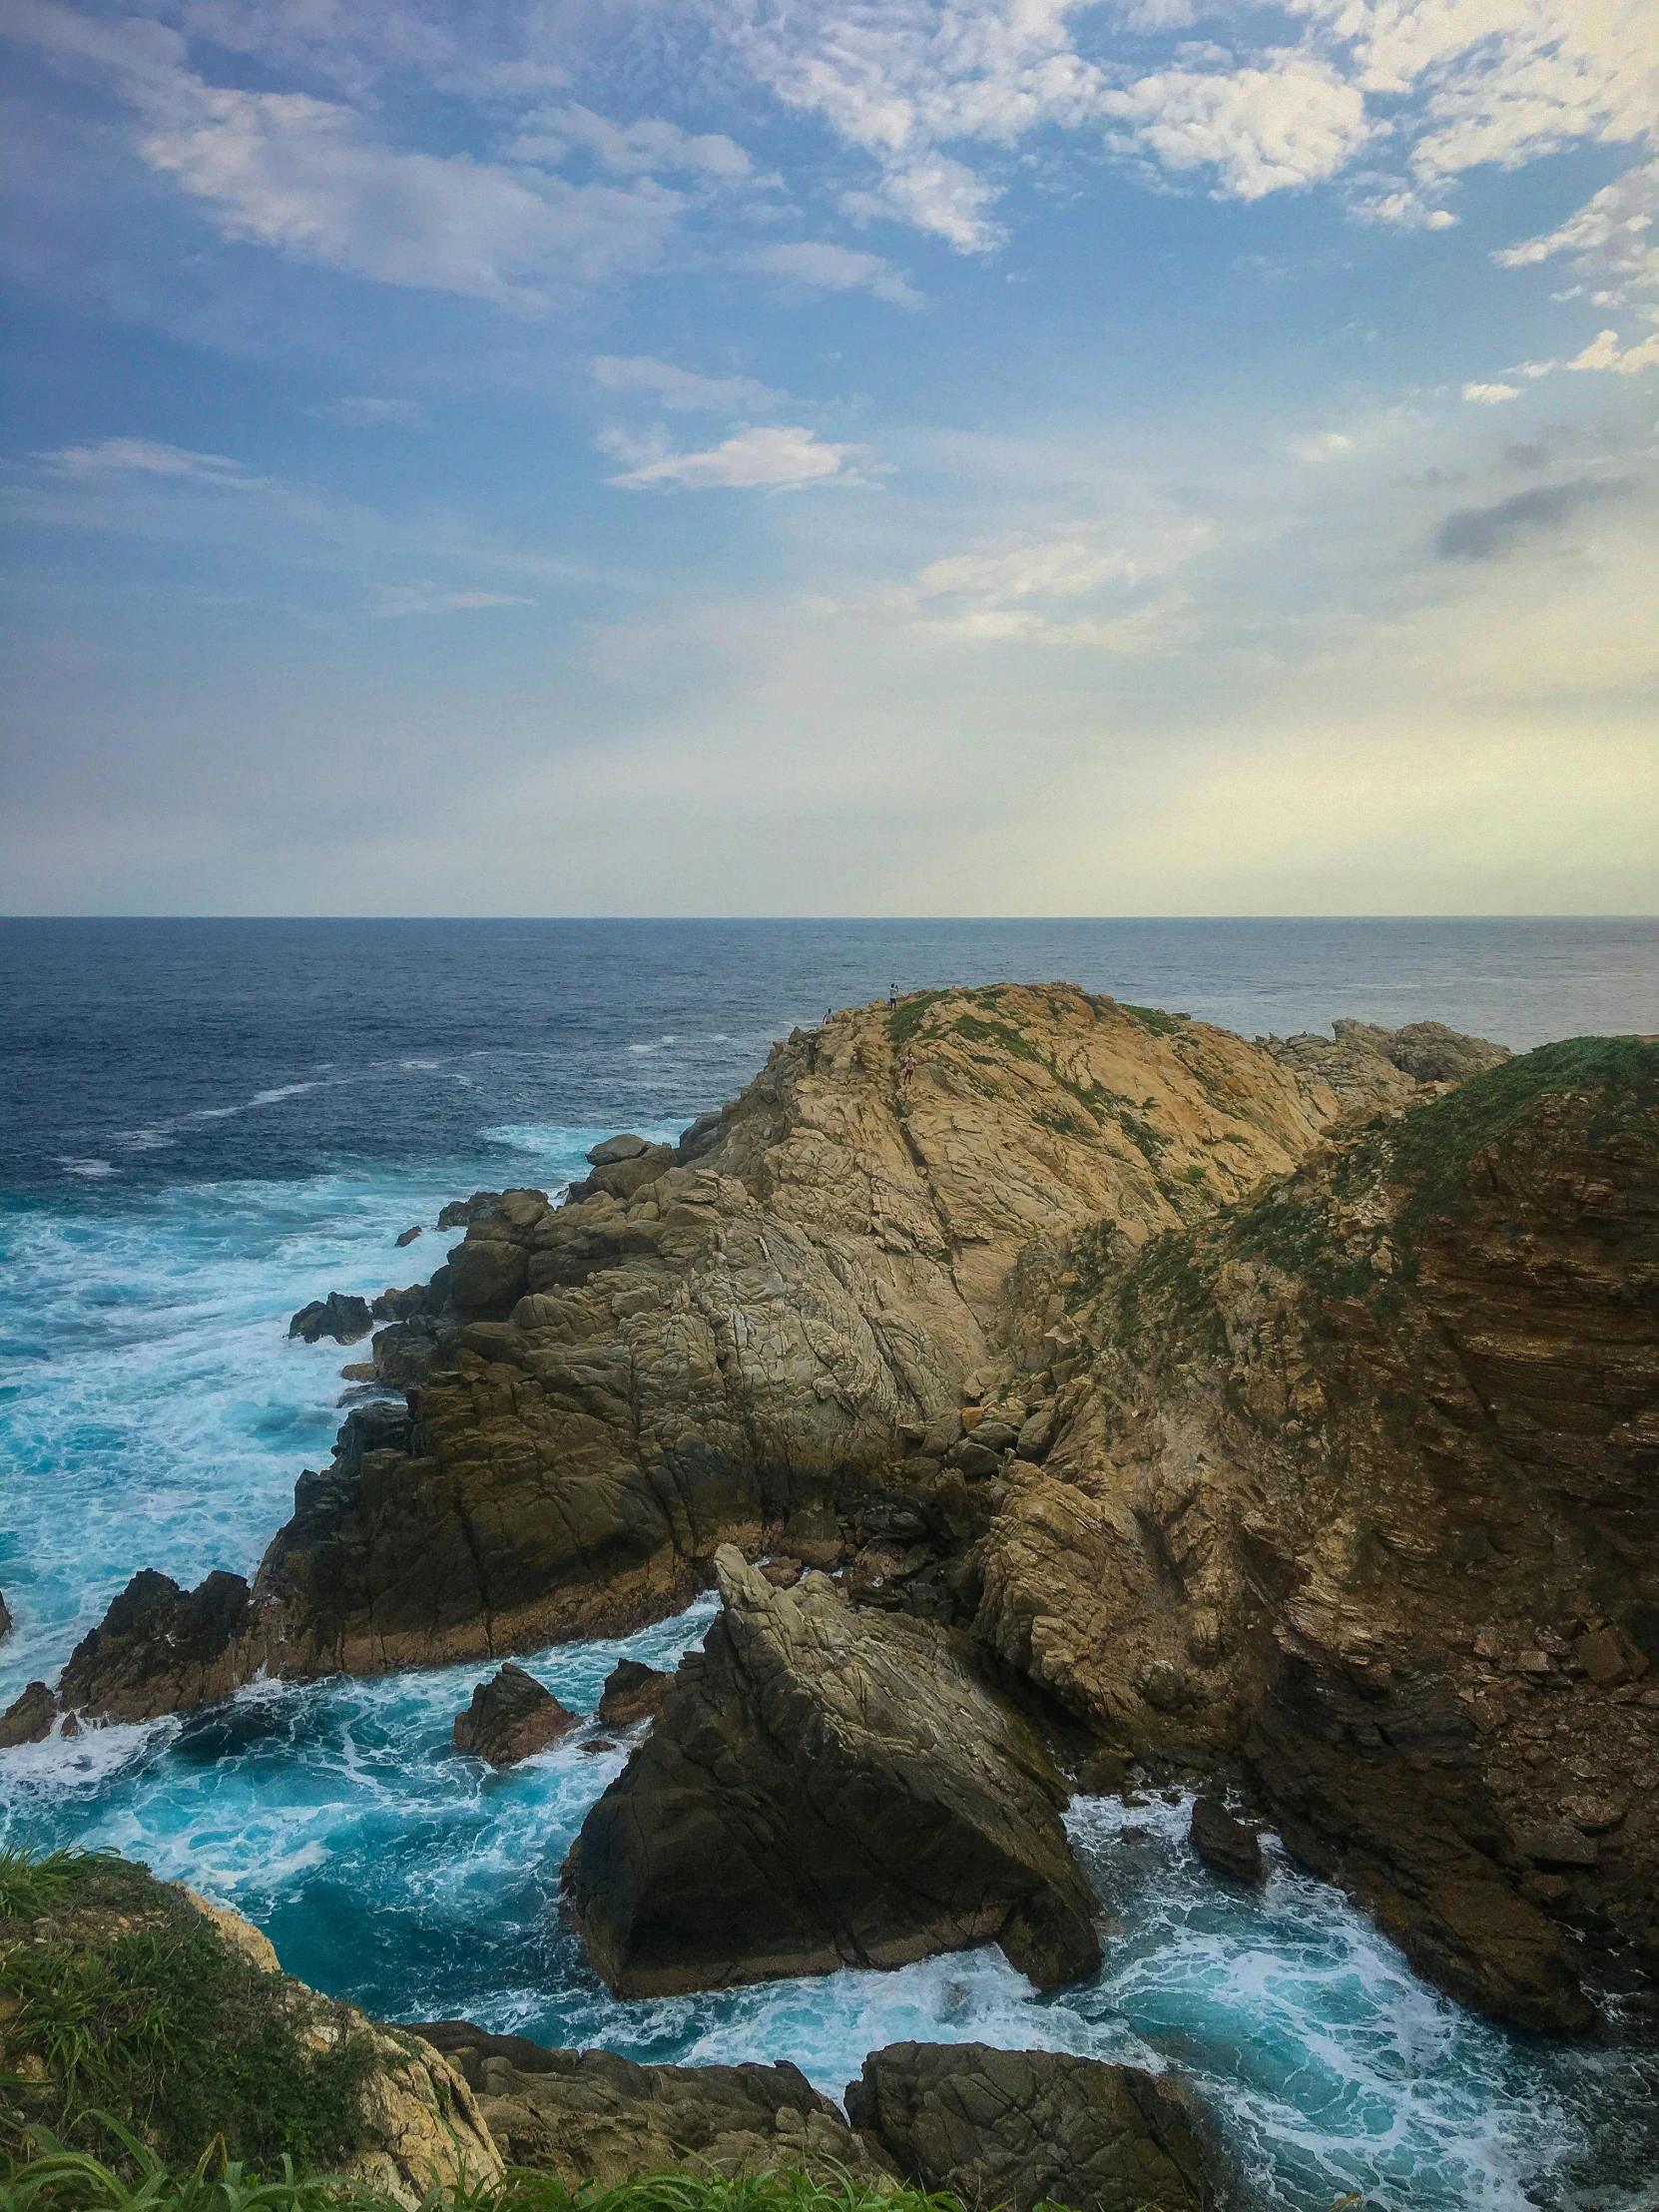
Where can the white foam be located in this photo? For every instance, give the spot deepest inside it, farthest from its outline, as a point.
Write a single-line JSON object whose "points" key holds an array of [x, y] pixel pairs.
{"points": [[94, 1171]]}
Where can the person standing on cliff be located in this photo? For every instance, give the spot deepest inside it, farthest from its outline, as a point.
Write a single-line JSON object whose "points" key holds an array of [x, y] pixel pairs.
{"points": [[892, 995], [910, 1068]]}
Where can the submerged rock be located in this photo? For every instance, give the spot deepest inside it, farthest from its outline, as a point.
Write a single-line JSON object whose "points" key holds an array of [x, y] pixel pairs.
{"points": [[826, 1786], [512, 1717], [1019, 2128], [1225, 1843], [591, 2116]]}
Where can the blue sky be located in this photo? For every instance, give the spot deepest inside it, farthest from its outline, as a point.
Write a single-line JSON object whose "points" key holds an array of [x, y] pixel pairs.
{"points": [[1018, 457]]}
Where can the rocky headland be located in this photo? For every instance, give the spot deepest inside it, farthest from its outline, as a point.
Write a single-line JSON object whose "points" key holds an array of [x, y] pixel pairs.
{"points": [[1283, 1416]]}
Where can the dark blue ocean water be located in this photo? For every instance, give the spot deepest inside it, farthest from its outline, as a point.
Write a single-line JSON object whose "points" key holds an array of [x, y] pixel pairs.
{"points": [[203, 1124]]}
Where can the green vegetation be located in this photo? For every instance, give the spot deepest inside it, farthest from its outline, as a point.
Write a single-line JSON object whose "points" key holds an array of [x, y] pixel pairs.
{"points": [[977, 1031], [124, 2015], [1155, 1019], [1167, 1279], [904, 1021], [66, 2182]]}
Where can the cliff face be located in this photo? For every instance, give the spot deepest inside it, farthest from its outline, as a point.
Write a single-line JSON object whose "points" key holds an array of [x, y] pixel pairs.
{"points": [[706, 1345], [1365, 1488]]}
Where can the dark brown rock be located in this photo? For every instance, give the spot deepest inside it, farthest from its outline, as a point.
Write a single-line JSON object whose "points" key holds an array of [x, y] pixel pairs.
{"points": [[592, 2117], [615, 1149], [488, 1275], [826, 1786], [1019, 2128], [1225, 1843], [462, 1213], [5, 1616], [633, 1692], [409, 1234], [340, 1314], [159, 1649], [28, 1719], [512, 1717]]}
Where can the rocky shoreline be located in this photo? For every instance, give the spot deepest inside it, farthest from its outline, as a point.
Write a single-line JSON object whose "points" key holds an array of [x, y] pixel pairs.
{"points": [[1280, 1414]]}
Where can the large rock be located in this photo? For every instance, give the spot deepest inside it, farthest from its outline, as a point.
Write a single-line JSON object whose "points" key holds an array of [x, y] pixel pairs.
{"points": [[826, 1788], [1019, 2128], [633, 1692], [1370, 1067], [29, 1717], [1361, 1482], [591, 2116], [342, 1315], [513, 1716], [1226, 1844], [159, 1649], [251, 2059], [621, 1384]]}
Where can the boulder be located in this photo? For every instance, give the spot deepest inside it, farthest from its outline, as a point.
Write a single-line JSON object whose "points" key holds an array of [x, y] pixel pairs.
{"points": [[826, 1786], [591, 2116], [1226, 1844], [253, 2063], [28, 1719], [159, 1649], [340, 1314], [487, 1275], [1433, 1053], [408, 1236], [633, 1692], [608, 1154], [1018, 2128], [513, 1716], [462, 1213]]}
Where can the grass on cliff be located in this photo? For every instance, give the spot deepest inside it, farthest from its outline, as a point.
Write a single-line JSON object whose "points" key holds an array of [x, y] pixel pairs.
{"points": [[65, 2181], [152, 2030]]}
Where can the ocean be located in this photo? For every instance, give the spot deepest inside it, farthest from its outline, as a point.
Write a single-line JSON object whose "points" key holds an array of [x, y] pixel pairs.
{"points": [[203, 1124]]}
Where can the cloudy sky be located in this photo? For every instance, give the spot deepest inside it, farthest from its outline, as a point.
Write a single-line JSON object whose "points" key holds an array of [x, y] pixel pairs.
{"points": [[831, 456]]}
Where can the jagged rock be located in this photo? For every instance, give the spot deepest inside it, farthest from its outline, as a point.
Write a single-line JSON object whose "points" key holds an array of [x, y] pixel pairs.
{"points": [[342, 1316], [590, 2115], [617, 1147], [633, 1692], [5, 1616], [512, 1717], [159, 1649], [462, 1213], [1019, 2128], [823, 1788], [406, 1352], [29, 1717], [409, 2126], [399, 1305], [1370, 1067], [1225, 1843], [408, 1236], [1370, 1459], [1434, 1053]]}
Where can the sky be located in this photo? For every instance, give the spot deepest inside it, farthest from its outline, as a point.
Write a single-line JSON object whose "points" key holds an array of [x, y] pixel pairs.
{"points": [[831, 457]]}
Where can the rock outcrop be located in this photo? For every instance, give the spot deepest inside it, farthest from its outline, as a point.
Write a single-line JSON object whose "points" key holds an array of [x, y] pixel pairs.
{"points": [[1228, 1845], [590, 2115], [1019, 2128], [632, 1693], [1371, 1068], [159, 1649], [771, 1320], [826, 1786], [513, 1716], [29, 1717], [342, 1315], [250, 2056], [1364, 1486]]}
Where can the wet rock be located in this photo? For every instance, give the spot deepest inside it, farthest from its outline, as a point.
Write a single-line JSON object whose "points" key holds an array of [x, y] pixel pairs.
{"points": [[488, 1275], [826, 1786], [592, 2117], [28, 1719], [462, 1213], [1225, 1843], [399, 1305], [404, 1353], [512, 1717], [159, 1649], [409, 1234], [5, 1616], [1103, 1774], [340, 1314], [633, 1692], [1019, 2128]]}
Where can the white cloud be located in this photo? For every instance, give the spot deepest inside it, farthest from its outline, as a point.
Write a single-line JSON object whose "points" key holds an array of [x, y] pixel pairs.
{"points": [[629, 149], [1323, 445], [772, 457], [1492, 395], [1604, 351], [371, 413], [120, 457], [1402, 207], [681, 389], [824, 267], [1613, 240], [1290, 123], [426, 599], [935, 194]]}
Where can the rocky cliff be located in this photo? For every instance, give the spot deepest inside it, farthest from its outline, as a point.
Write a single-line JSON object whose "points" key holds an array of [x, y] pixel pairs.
{"points": [[1363, 1488]]}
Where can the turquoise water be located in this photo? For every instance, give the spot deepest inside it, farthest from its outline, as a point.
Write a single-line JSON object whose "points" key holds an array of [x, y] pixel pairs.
{"points": [[153, 1413]]}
